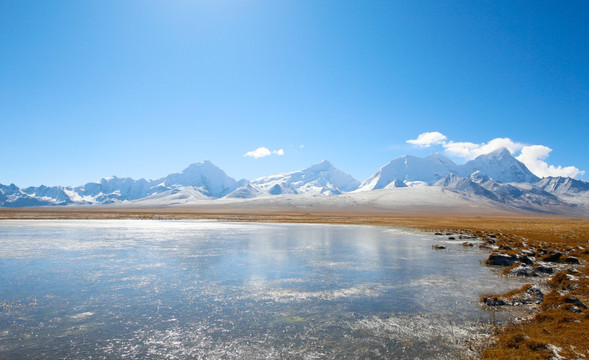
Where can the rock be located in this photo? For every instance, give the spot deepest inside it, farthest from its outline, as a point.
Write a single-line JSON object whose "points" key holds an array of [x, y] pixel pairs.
{"points": [[523, 270], [572, 260], [536, 294], [533, 295], [439, 247], [466, 243], [574, 309], [526, 260], [448, 233], [528, 253], [570, 277], [494, 301], [575, 301], [451, 238], [438, 233], [544, 269], [554, 257], [490, 247], [492, 236], [501, 260]]}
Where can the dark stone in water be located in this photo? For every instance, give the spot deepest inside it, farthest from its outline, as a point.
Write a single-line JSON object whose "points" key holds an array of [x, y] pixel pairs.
{"points": [[572, 260], [494, 301], [451, 238], [438, 233], [466, 243], [439, 247], [501, 259]]}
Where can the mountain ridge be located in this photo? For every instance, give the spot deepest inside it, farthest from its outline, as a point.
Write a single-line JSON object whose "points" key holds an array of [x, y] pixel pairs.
{"points": [[497, 177]]}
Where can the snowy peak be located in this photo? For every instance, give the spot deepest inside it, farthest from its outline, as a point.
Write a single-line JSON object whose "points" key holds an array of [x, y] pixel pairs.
{"points": [[12, 196], [562, 185], [319, 179], [204, 175], [55, 194], [410, 168], [462, 184], [479, 177], [495, 178], [501, 166], [323, 166]]}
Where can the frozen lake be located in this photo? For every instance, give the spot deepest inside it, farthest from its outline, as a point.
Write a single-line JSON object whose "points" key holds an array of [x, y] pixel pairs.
{"points": [[147, 289]]}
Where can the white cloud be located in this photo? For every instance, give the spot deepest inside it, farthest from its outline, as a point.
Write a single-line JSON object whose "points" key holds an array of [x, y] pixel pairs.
{"points": [[469, 151], [262, 152], [532, 156], [258, 153], [428, 139]]}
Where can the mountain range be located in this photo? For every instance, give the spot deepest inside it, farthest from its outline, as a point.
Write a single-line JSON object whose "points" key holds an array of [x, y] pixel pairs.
{"points": [[496, 179]]}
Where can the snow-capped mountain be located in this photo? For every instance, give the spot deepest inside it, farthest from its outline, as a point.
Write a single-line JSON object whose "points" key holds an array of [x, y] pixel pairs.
{"points": [[109, 190], [12, 196], [499, 165], [320, 179], [205, 176], [563, 185], [198, 181], [55, 195], [464, 185], [410, 168], [518, 195], [496, 179]]}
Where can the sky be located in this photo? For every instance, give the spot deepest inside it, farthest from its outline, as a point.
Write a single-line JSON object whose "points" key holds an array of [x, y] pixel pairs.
{"points": [[142, 89]]}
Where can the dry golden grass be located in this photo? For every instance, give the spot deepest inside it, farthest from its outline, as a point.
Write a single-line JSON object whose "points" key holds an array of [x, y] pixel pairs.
{"points": [[554, 325]]}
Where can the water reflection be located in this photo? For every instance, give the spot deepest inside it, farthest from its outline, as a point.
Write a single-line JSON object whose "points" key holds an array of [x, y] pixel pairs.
{"points": [[194, 289]]}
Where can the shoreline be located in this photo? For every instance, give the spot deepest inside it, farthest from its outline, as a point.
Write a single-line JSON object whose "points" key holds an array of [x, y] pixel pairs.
{"points": [[559, 327]]}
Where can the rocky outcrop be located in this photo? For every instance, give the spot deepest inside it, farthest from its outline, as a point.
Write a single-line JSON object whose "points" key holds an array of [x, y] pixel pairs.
{"points": [[529, 294]]}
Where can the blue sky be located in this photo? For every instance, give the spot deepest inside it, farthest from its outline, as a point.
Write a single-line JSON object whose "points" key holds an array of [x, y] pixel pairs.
{"points": [[90, 89]]}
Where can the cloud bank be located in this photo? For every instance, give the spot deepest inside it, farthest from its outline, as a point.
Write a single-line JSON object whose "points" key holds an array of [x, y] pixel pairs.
{"points": [[533, 156], [262, 152]]}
